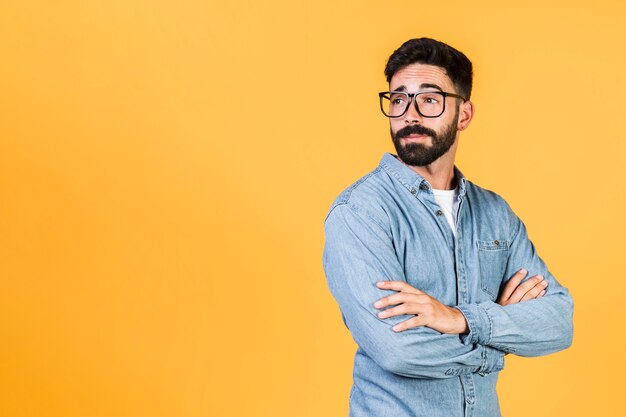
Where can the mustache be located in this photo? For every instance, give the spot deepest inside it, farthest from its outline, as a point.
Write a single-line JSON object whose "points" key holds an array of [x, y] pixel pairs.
{"points": [[415, 130]]}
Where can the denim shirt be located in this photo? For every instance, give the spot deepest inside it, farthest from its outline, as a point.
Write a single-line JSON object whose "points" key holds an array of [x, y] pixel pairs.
{"points": [[388, 226]]}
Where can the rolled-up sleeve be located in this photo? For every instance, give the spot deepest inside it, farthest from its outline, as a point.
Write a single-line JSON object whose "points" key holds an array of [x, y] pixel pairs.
{"points": [[359, 252]]}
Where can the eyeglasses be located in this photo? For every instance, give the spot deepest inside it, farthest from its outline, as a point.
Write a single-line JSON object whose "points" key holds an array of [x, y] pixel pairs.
{"points": [[428, 103]]}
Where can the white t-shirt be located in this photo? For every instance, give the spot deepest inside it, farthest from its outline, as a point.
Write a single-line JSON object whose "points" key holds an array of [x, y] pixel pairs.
{"points": [[448, 200]]}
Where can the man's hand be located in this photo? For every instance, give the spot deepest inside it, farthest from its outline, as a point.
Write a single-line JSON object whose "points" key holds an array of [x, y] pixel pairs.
{"points": [[428, 310], [514, 292]]}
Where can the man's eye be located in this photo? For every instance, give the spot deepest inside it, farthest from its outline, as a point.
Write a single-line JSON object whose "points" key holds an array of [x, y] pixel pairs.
{"points": [[430, 100]]}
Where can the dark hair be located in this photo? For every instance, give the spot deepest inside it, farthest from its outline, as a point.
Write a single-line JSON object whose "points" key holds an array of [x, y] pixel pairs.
{"points": [[429, 51]]}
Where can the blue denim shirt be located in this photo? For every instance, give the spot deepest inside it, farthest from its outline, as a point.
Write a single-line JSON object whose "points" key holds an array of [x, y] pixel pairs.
{"points": [[388, 226]]}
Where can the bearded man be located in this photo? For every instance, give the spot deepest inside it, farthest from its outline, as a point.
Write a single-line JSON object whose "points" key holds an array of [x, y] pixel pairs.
{"points": [[435, 277]]}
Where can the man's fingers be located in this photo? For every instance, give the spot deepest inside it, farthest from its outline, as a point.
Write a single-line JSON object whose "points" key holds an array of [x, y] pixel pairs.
{"points": [[532, 293], [398, 311], [524, 287], [512, 284], [398, 286], [535, 292], [409, 324], [398, 298]]}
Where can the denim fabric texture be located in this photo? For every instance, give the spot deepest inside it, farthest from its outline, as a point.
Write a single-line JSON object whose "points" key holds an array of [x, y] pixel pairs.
{"points": [[388, 226]]}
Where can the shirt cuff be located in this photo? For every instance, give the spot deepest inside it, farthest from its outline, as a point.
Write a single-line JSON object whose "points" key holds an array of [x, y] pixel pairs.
{"points": [[478, 322], [493, 361]]}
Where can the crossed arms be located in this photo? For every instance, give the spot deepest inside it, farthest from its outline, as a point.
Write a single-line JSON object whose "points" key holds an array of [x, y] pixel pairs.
{"points": [[442, 341]]}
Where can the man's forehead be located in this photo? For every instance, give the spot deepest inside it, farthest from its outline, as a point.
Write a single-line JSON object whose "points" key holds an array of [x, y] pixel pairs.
{"points": [[418, 75]]}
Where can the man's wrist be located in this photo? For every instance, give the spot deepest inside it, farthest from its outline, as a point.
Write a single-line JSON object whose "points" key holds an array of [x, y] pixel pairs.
{"points": [[457, 324], [461, 324]]}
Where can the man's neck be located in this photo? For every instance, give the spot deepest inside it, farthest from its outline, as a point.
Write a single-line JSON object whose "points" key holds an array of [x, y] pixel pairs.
{"points": [[440, 174], [439, 178]]}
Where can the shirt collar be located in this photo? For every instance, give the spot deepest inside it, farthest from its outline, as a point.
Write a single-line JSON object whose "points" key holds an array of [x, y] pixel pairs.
{"points": [[410, 179]]}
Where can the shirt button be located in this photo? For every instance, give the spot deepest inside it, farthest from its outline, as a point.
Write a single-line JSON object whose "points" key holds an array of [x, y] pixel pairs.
{"points": [[496, 242], [413, 191], [439, 213], [423, 186]]}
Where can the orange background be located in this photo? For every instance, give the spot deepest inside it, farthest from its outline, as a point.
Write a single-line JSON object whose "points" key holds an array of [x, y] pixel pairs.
{"points": [[165, 169]]}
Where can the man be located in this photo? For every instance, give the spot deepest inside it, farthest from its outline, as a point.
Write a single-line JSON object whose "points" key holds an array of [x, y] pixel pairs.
{"points": [[435, 277]]}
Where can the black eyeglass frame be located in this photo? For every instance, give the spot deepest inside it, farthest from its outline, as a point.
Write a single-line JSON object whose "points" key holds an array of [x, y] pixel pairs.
{"points": [[413, 99]]}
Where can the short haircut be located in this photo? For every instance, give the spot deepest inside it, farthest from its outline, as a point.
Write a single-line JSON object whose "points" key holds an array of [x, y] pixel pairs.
{"points": [[429, 51]]}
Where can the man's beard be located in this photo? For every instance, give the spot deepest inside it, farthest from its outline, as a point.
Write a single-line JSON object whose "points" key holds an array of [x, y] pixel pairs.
{"points": [[418, 154]]}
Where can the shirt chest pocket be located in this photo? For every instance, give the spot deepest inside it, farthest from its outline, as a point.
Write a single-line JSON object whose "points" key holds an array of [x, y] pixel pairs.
{"points": [[492, 259]]}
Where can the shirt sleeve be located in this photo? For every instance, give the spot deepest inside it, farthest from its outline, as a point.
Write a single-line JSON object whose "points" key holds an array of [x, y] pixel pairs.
{"points": [[358, 252], [529, 328]]}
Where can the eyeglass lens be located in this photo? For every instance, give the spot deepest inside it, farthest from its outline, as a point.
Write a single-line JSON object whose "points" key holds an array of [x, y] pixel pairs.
{"points": [[430, 104]]}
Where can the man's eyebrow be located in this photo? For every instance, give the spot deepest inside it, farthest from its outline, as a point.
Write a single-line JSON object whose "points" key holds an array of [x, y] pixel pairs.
{"points": [[422, 86], [435, 86]]}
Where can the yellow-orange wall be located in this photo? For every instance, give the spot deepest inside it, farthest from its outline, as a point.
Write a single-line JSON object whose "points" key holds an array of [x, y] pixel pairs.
{"points": [[166, 166]]}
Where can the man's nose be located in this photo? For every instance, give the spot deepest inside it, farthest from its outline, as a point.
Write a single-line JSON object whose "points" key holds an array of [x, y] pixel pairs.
{"points": [[412, 115]]}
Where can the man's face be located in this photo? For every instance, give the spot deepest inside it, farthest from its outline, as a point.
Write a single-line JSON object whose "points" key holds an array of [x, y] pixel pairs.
{"points": [[418, 140]]}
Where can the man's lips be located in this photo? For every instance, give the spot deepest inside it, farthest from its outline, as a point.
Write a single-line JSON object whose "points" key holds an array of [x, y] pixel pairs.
{"points": [[414, 137]]}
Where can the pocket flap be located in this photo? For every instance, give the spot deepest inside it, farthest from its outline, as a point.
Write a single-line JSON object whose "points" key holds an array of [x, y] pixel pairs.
{"points": [[495, 244]]}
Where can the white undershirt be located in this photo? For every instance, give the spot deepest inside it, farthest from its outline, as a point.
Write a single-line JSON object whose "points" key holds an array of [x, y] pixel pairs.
{"points": [[448, 200]]}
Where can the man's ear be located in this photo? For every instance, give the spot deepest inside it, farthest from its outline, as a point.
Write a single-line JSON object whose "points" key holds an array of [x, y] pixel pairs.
{"points": [[466, 113]]}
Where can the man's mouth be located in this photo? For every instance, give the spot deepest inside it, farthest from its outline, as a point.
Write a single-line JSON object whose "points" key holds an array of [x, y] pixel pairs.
{"points": [[414, 137]]}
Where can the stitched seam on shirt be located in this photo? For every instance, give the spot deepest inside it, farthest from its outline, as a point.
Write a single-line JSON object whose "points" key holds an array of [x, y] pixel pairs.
{"points": [[358, 183], [395, 174], [348, 192], [488, 341], [512, 241], [359, 211], [517, 232], [483, 366], [470, 324], [489, 246]]}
